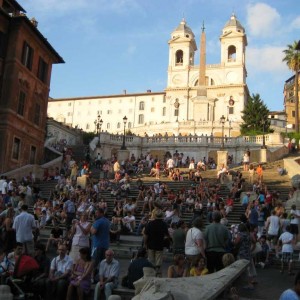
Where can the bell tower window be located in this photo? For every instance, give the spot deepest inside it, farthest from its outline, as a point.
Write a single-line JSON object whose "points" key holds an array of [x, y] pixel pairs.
{"points": [[231, 53], [179, 58]]}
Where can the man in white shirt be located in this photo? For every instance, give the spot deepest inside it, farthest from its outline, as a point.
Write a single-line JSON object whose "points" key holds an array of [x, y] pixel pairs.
{"points": [[60, 270], [24, 224], [295, 217]]}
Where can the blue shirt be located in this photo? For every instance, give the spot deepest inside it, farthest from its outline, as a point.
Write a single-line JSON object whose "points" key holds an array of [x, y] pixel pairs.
{"points": [[289, 295], [101, 237]]}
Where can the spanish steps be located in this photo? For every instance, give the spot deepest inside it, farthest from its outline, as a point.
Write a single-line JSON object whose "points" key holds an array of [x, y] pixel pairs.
{"points": [[129, 243]]}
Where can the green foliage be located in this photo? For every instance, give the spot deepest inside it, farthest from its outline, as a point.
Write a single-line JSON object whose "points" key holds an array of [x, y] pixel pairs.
{"points": [[255, 117], [292, 56]]}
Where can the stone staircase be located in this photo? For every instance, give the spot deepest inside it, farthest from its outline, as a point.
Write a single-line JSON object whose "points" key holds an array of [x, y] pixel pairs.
{"points": [[130, 243]]}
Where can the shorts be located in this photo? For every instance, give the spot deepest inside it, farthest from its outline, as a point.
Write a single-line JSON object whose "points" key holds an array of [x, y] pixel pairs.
{"points": [[287, 257], [294, 229], [155, 257]]}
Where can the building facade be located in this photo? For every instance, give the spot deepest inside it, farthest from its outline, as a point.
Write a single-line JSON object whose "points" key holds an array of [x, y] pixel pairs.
{"points": [[195, 98], [26, 59], [289, 101]]}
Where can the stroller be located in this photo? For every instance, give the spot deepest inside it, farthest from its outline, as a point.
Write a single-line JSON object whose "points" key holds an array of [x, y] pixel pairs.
{"points": [[20, 281]]}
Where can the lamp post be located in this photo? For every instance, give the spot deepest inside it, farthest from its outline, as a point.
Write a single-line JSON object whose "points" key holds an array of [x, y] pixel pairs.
{"points": [[98, 124], [263, 122], [222, 120], [123, 145]]}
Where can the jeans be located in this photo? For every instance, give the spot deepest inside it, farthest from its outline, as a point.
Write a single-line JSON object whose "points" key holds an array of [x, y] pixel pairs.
{"points": [[108, 287]]}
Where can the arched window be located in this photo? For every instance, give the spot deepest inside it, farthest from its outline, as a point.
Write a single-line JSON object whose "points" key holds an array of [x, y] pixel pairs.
{"points": [[142, 105], [231, 53], [129, 125], [164, 110], [118, 125], [179, 57], [141, 119], [108, 126]]}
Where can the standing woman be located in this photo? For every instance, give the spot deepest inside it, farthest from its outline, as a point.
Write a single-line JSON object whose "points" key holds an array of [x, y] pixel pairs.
{"points": [[194, 242], [81, 235], [246, 160], [9, 234]]}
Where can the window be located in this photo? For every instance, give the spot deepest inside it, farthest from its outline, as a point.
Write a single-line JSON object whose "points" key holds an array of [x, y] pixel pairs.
{"points": [[69, 114], [129, 125], [27, 56], [70, 104], [142, 105], [2, 44], [37, 113], [32, 155], [87, 126], [231, 53], [108, 126], [293, 114], [42, 70], [231, 110], [164, 111], [109, 112], [179, 57], [141, 119], [21, 104], [152, 109], [152, 99], [118, 125], [176, 112], [16, 148], [164, 99]]}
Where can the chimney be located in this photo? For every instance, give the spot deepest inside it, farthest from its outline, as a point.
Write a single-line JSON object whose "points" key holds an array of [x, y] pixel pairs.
{"points": [[125, 92]]}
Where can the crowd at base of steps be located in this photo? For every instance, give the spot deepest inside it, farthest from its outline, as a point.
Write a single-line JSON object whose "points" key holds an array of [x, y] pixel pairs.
{"points": [[84, 253]]}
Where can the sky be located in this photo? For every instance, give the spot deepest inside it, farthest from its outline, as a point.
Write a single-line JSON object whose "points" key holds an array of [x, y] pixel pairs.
{"points": [[115, 45]]}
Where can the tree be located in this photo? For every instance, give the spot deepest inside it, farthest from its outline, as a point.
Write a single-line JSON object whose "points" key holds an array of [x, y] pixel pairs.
{"points": [[292, 59], [255, 116]]}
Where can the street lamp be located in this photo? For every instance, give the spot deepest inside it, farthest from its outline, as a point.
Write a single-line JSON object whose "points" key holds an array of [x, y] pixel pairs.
{"points": [[263, 122], [98, 124], [123, 145], [222, 120]]}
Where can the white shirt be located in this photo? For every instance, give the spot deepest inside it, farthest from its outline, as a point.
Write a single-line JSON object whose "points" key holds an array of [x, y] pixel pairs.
{"points": [[192, 236], [4, 188], [287, 237], [79, 237], [61, 265], [295, 216], [274, 225], [24, 223], [170, 163]]}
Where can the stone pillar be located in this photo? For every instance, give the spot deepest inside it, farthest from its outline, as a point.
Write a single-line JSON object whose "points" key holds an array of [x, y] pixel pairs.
{"points": [[263, 155], [123, 155], [222, 158]]}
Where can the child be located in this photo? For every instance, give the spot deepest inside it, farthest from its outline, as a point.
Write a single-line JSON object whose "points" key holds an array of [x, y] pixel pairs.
{"points": [[286, 239], [199, 267], [263, 256]]}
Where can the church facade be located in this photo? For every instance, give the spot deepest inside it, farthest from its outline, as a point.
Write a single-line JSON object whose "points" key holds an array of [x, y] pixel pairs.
{"points": [[195, 100]]}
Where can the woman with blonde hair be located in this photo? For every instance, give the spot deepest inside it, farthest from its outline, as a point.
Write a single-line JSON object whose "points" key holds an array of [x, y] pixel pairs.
{"points": [[178, 269], [81, 235]]}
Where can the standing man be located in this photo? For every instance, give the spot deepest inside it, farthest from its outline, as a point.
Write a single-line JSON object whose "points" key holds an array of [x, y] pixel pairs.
{"points": [[108, 275], [70, 210], [216, 236], [154, 236], [24, 224], [100, 237]]}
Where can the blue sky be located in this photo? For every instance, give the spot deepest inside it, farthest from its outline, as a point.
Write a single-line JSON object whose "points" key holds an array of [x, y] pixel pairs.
{"points": [[109, 46]]}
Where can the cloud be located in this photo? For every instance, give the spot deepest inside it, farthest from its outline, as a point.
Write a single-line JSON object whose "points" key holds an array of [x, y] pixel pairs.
{"points": [[262, 19], [266, 59], [296, 23]]}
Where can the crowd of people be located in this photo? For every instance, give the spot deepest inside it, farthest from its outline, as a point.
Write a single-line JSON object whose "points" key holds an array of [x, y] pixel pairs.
{"points": [[83, 247]]}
